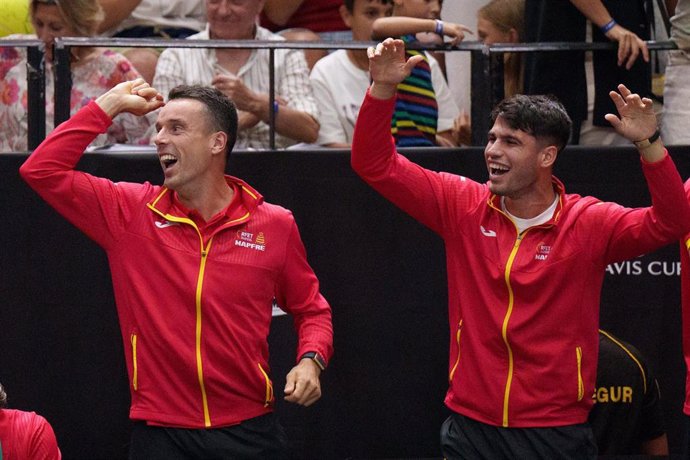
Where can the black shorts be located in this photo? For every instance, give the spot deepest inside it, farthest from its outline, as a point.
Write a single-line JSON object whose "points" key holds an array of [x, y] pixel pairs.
{"points": [[464, 438], [259, 437]]}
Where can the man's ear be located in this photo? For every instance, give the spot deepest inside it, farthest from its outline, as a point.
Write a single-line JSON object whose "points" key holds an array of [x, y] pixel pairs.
{"points": [[345, 15], [548, 156], [218, 141], [513, 35]]}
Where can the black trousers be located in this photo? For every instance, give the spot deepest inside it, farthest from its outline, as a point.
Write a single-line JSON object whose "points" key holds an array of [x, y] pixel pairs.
{"points": [[464, 438], [260, 437]]}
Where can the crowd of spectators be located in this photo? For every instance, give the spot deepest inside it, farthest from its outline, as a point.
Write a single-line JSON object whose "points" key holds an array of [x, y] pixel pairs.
{"points": [[318, 91]]}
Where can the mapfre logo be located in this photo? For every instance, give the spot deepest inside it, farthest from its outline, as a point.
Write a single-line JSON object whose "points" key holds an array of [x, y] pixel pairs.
{"points": [[542, 252], [249, 240]]}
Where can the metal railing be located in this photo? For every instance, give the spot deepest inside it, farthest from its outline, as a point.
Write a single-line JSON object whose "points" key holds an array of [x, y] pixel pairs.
{"points": [[486, 70]]}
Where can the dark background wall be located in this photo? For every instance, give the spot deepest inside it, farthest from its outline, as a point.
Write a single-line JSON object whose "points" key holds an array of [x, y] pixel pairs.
{"points": [[384, 274]]}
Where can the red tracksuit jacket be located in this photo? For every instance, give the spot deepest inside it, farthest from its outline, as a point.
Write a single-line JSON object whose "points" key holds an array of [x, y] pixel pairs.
{"points": [[194, 303], [523, 308]]}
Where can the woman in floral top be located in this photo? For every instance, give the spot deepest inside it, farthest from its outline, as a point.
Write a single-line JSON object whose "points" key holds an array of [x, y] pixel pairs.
{"points": [[94, 71]]}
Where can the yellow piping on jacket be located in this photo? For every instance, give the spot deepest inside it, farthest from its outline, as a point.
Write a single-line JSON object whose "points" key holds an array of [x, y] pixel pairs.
{"points": [[504, 329], [457, 360]]}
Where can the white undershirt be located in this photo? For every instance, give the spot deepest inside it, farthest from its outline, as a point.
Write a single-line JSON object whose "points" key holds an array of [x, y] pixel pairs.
{"points": [[524, 224]]}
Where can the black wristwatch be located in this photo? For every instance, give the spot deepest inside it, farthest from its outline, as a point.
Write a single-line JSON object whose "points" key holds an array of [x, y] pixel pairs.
{"points": [[317, 358], [644, 143]]}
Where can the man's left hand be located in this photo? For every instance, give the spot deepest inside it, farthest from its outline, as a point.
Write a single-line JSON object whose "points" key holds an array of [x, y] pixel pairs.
{"points": [[302, 383], [637, 118]]}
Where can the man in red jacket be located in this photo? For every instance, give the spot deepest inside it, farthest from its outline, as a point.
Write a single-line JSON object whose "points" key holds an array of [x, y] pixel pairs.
{"points": [[525, 263], [25, 435], [196, 265]]}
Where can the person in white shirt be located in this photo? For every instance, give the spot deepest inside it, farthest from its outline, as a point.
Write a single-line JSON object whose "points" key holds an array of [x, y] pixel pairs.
{"points": [[243, 75]]}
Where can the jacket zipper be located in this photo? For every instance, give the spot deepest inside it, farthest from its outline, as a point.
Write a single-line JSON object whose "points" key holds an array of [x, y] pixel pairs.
{"points": [[199, 285], [457, 360], [135, 377], [504, 328], [199, 365]]}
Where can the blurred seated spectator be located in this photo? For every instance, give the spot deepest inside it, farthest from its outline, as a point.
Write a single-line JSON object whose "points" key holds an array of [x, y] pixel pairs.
{"points": [[627, 417], [94, 71], [14, 17], [151, 19], [341, 79], [306, 20], [243, 75], [25, 435], [499, 21], [419, 118], [675, 125]]}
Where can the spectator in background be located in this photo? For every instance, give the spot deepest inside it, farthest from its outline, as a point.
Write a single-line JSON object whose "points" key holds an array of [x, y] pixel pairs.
{"points": [[243, 76], [503, 21], [424, 110], [94, 70], [627, 417], [341, 79], [580, 80], [499, 21], [25, 435], [306, 20], [675, 125], [151, 19]]}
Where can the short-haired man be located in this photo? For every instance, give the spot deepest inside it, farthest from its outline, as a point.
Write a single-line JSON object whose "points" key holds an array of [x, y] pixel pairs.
{"points": [[196, 265], [525, 263], [243, 76]]}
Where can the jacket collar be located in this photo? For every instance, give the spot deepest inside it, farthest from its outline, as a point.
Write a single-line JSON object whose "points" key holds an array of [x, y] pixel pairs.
{"points": [[242, 206], [494, 202]]}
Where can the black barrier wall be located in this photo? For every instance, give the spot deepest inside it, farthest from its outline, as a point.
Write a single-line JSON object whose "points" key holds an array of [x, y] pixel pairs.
{"points": [[383, 273]]}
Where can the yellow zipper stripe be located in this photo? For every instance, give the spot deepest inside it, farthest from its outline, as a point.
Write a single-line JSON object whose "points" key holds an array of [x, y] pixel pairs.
{"points": [[639, 364], [269, 386], [457, 360], [199, 366], [504, 329], [687, 244], [133, 339], [580, 382]]}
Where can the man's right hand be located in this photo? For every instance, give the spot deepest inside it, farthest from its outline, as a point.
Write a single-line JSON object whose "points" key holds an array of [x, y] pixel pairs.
{"points": [[134, 96], [387, 67]]}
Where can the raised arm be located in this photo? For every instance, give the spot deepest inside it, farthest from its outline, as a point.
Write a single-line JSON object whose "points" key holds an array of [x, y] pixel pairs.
{"points": [[87, 201], [422, 193], [630, 46], [637, 231], [396, 26]]}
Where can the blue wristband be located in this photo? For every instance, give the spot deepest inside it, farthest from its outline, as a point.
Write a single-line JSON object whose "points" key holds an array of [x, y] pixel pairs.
{"points": [[608, 26], [439, 27], [275, 108]]}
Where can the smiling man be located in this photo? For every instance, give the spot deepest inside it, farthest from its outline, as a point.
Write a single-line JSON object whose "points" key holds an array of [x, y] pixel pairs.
{"points": [[196, 265], [525, 263]]}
